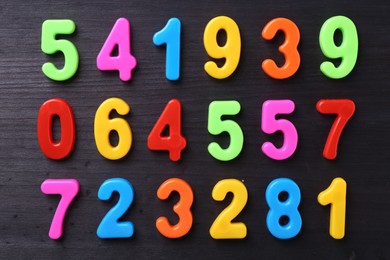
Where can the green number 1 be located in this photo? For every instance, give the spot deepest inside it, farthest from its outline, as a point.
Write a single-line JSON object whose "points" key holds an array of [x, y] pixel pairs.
{"points": [[347, 51], [50, 45]]}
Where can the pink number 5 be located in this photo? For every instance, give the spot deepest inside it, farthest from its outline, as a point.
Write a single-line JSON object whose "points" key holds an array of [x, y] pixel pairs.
{"points": [[68, 189], [269, 125]]}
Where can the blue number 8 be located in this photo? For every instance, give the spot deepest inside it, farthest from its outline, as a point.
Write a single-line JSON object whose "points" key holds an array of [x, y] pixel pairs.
{"points": [[287, 208]]}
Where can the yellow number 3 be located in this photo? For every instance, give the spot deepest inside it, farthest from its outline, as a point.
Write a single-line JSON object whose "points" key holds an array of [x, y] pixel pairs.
{"points": [[230, 51]]}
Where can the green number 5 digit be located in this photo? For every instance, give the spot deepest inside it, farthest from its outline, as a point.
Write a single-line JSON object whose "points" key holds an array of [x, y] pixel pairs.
{"points": [[216, 126], [50, 45]]}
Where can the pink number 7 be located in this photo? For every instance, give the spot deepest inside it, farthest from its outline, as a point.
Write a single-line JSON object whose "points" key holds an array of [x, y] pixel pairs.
{"points": [[68, 189], [344, 109]]}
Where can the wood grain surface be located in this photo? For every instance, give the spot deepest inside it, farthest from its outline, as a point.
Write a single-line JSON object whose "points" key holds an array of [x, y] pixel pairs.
{"points": [[363, 160]]}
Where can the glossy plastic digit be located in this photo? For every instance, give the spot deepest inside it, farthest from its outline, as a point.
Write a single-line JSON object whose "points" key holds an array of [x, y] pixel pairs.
{"points": [[50, 45], [269, 125], [347, 50], [289, 48], [344, 109], [335, 195], [104, 125], [51, 149], [288, 208], [223, 228], [124, 62], [68, 189], [182, 208], [170, 35], [231, 51], [110, 227], [216, 126], [175, 142]]}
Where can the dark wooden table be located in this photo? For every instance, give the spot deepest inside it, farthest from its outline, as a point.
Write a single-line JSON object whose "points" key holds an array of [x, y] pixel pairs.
{"points": [[363, 160]]}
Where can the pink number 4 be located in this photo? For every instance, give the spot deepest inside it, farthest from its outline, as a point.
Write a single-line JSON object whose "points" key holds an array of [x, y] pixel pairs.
{"points": [[68, 189], [124, 62]]}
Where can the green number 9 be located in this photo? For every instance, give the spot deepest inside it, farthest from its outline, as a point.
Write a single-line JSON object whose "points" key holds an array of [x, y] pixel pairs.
{"points": [[347, 51]]}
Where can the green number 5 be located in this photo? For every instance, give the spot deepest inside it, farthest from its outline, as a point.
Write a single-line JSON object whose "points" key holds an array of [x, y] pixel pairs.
{"points": [[50, 45], [216, 126]]}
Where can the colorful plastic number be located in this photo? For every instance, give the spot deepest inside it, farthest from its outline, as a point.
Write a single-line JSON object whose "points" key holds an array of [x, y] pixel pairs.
{"points": [[46, 113], [347, 50], [223, 228], [288, 208], [104, 125], [182, 208], [124, 62], [175, 142], [269, 125], [335, 195], [230, 51], [216, 126], [170, 35], [68, 189], [289, 48], [110, 227], [344, 109], [50, 45]]}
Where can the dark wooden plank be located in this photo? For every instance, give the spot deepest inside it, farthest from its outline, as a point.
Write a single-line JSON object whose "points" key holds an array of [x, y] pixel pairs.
{"points": [[26, 213]]}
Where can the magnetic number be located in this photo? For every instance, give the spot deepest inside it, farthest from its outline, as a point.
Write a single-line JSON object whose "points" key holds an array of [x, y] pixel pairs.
{"points": [[269, 125], [182, 208], [110, 227], [289, 48], [68, 189], [104, 125], [170, 35], [124, 62], [216, 126], [46, 113], [347, 50], [288, 208], [175, 142], [230, 51], [223, 228], [50, 45], [335, 195], [344, 109]]}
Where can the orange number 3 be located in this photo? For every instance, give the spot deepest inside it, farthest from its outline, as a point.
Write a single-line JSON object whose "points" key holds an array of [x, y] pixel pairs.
{"points": [[289, 48], [182, 208]]}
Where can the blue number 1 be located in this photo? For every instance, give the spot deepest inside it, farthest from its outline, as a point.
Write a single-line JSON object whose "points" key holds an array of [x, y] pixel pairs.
{"points": [[109, 226], [170, 35]]}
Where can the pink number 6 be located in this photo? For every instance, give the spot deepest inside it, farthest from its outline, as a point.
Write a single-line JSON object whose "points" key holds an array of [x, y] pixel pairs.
{"points": [[269, 125]]}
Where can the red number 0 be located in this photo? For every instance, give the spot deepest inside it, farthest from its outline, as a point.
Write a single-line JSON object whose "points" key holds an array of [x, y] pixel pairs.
{"points": [[62, 109], [344, 109]]}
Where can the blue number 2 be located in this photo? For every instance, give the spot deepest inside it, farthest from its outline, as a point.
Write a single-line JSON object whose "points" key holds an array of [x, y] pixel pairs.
{"points": [[109, 226], [287, 208], [170, 35]]}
